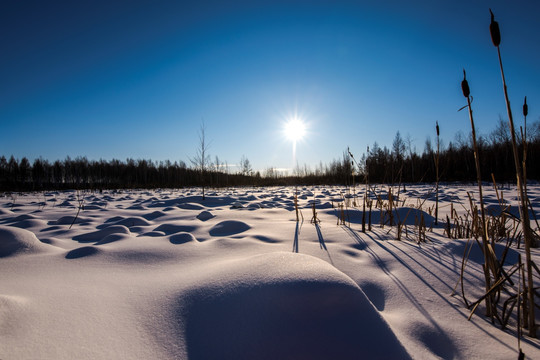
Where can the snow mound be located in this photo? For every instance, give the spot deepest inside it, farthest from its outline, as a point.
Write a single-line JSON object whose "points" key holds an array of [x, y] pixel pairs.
{"points": [[169, 229], [82, 252], [100, 234], [237, 205], [14, 240], [136, 207], [30, 223], [5, 212], [113, 238], [152, 234], [182, 238], [205, 215], [266, 239], [129, 222], [403, 215], [513, 210], [68, 220], [93, 207], [324, 205], [24, 217], [190, 206], [153, 215], [284, 306], [114, 219], [229, 227]]}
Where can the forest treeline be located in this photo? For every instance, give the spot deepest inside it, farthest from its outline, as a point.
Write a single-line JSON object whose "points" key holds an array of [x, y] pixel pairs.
{"points": [[398, 164]]}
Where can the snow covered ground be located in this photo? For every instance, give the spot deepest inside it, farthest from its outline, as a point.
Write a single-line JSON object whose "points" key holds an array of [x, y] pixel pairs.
{"points": [[165, 275]]}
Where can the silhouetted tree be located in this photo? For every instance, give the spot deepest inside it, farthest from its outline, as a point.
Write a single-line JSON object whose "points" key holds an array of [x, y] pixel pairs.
{"points": [[201, 160]]}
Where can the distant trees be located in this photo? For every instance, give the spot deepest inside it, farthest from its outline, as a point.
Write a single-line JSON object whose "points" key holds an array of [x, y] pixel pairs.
{"points": [[400, 164], [82, 173], [456, 159]]}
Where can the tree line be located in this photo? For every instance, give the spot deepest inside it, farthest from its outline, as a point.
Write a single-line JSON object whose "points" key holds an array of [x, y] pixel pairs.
{"points": [[81, 173], [456, 160], [398, 164]]}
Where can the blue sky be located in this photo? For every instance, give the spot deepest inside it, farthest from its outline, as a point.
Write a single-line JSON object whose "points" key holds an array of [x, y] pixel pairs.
{"points": [[136, 79]]}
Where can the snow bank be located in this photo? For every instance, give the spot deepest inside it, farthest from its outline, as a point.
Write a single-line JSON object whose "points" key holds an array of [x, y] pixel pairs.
{"points": [[229, 227], [283, 306], [165, 275], [16, 241]]}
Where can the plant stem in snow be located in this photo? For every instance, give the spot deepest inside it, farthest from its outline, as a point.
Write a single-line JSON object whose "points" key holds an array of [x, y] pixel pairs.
{"points": [[437, 178], [523, 211], [489, 254]]}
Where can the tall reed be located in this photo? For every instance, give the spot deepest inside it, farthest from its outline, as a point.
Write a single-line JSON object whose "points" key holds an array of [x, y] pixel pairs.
{"points": [[523, 210], [366, 199], [437, 176], [490, 266], [525, 143]]}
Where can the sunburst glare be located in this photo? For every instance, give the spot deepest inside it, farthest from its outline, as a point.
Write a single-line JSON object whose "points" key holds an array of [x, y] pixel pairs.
{"points": [[295, 129]]}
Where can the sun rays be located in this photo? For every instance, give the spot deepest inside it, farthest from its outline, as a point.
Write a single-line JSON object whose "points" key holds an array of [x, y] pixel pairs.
{"points": [[294, 130]]}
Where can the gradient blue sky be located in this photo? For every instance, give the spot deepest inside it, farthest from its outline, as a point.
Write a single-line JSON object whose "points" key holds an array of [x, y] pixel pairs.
{"points": [[135, 79]]}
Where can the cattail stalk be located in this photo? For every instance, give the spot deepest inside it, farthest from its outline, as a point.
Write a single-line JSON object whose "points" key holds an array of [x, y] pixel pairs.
{"points": [[523, 211], [366, 176], [489, 254], [296, 203], [437, 177], [525, 144], [352, 173], [364, 215]]}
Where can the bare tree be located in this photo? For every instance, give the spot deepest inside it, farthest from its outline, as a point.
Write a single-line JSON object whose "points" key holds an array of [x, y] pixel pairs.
{"points": [[398, 155], [398, 147], [245, 166], [412, 151], [201, 160], [501, 133]]}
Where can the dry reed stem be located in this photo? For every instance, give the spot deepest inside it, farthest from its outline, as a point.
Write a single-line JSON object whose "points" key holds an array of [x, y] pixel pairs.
{"points": [[519, 329], [493, 288], [524, 213], [370, 205], [437, 177], [296, 207], [364, 215], [489, 254], [314, 219], [80, 200]]}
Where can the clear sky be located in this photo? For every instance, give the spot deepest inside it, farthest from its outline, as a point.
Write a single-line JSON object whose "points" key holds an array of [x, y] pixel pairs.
{"points": [[136, 79]]}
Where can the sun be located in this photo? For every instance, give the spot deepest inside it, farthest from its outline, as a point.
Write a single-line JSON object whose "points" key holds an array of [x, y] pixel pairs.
{"points": [[295, 129]]}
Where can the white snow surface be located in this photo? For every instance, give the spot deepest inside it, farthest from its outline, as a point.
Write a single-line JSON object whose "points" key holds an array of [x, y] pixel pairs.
{"points": [[165, 274]]}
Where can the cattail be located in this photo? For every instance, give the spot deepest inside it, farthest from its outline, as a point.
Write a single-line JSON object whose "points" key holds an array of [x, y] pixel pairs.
{"points": [[465, 85], [494, 30], [525, 108], [523, 209], [489, 254], [437, 176]]}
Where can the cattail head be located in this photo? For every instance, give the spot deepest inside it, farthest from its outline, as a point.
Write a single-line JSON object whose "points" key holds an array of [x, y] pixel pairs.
{"points": [[525, 108], [437, 127], [494, 30], [465, 85]]}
